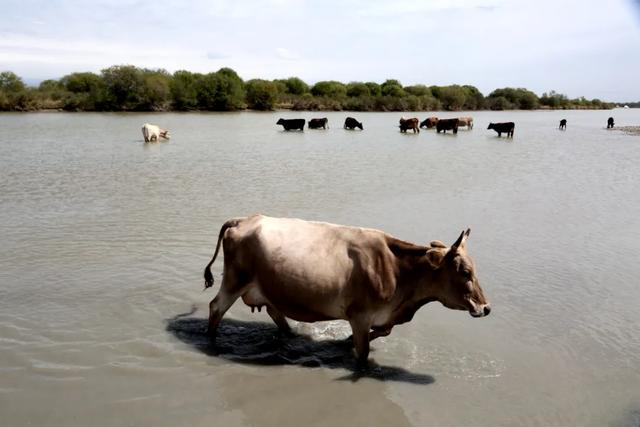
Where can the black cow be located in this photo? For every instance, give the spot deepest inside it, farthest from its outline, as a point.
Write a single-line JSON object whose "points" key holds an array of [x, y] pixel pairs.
{"points": [[351, 123], [563, 124], [291, 124], [406, 124], [610, 122], [506, 127], [319, 123], [447, 124]]}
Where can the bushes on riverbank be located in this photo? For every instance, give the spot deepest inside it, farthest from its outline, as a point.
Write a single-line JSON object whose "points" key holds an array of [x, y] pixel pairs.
{"points": [[128, 88]]}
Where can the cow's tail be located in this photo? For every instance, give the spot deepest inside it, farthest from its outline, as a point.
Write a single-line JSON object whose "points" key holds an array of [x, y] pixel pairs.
{"points": [[208, 277]]}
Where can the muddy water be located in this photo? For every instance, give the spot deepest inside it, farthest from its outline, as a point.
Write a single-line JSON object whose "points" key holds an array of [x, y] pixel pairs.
{"points": [[104, 239]]}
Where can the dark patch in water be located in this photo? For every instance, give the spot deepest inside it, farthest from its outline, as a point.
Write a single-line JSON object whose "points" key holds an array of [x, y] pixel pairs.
{"points": [[260, 343]]}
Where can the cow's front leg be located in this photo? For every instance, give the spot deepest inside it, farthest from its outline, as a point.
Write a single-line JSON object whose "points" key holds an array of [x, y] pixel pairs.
{"points": [[360, 329], [377, 333]]}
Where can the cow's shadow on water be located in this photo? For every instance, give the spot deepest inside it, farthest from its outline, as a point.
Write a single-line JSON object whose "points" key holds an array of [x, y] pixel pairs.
{"points": [[260, 343]]}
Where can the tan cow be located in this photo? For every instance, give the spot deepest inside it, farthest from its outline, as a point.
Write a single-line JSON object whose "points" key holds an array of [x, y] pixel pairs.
{"points": [[465, 121], [153, 133], [314, 271]]}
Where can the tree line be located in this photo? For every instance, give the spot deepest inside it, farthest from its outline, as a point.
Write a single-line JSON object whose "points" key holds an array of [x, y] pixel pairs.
{"points": [[129, 88]]}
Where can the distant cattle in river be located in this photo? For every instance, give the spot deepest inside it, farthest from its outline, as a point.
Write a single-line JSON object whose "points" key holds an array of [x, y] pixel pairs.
{"points": [[291, 124], [429, 122], [465, 121], [412, 123], [319, 123], [610, 122], [563, 124], [506, 127], [447, 124], [153, 133], [351, 123]]}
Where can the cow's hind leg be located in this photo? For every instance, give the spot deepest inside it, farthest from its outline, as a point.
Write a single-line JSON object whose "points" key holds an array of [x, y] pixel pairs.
{"points": [[279, 319], [230, 290]]}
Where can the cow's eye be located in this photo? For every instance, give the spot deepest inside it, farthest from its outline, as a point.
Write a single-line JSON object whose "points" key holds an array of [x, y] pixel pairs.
{"points": [[467, 274], [469, 285]]}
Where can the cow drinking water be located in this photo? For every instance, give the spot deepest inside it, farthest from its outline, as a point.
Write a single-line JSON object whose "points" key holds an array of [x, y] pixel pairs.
{"points": [[316, 271], [153, 133]]}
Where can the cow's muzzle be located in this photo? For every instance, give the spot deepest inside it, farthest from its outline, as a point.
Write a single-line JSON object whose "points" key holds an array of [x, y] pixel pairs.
{"points": [[481, 311]]}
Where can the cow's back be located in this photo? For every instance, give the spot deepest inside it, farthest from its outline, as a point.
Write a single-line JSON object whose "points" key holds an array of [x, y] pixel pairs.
{"points": [[307, 270]]}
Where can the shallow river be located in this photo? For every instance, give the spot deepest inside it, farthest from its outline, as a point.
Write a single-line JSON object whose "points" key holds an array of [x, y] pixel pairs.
{"points": [[103, 240]]}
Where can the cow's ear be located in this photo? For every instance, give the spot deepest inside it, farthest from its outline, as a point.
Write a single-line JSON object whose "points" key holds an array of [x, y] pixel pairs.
{"points": [[435, 257], [461, 240], [437, 244]]}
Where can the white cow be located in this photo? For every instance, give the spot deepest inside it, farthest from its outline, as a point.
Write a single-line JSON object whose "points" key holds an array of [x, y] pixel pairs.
{"points": [[153, 133]]}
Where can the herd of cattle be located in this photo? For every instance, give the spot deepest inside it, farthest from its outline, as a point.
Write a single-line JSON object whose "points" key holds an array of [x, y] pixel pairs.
{"points": [[441, 125], [153, 133]]}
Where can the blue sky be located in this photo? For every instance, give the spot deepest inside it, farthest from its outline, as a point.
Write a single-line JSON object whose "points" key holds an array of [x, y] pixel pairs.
{"points": [[577, 47]]}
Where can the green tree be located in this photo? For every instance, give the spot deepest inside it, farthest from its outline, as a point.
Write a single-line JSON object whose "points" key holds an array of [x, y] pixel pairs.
{"points": [[452, 97], [184, 91], [392, 88], [124, 87], [330, 89], [10, 82], [355, 89], [261, 94], [155, 90], [374, 88], [417, 90], [295, 86]]}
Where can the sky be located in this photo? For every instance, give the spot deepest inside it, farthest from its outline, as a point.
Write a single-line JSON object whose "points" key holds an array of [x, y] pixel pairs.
{"points": [[585, 48]]}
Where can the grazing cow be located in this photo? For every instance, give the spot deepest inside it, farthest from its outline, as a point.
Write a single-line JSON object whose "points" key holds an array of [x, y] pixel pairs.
{"points": [[465, 121], [154, 133], [315, 271], [319, 123], [291, 124], [610, 122], [412, 123], [351, 123], [447, 124], [563, 124], [429, 122], [506, 127]]}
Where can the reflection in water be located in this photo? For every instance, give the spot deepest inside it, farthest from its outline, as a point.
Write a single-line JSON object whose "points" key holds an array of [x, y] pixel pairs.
{"points": [[259, 343]]}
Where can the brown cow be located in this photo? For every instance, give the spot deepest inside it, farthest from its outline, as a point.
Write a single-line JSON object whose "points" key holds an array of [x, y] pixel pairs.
{"points": [[406, 124], [314, 271], [465, 121], [429, 122]]}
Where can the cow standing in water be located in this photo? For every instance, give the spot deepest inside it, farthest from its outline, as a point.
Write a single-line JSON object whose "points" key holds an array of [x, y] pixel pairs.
{"points": [[610, 123], [319, 123], [563, 124], [429, 122], [406, 124], [292, 124], [501, 128], [316, 271], [153, 133], [351, 123]]}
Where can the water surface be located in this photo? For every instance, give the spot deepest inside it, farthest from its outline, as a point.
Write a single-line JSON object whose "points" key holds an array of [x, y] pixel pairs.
{"points": [[104, 239]]}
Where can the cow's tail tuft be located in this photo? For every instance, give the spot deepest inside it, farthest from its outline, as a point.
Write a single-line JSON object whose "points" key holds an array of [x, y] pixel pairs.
{"points": [[208, 277]]}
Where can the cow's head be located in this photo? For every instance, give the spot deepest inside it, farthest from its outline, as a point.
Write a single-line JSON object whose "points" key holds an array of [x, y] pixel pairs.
{"points": [[458, 286], [280, 122], [490, 126], [165, 134], [359, 125]]}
